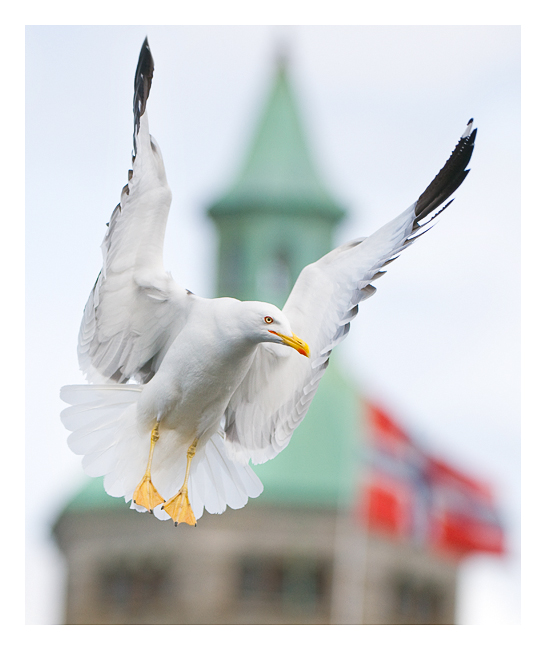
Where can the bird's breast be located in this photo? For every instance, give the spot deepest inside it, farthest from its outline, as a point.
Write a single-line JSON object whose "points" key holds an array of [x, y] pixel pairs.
{"points": [[194, 384]]}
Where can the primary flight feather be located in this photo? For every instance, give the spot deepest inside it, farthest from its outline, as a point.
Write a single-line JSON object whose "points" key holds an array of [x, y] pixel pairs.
{"points": [[186, 390]]}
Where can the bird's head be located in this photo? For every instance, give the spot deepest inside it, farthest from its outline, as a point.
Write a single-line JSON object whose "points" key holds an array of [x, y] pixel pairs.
{"points": [[269, 325]]}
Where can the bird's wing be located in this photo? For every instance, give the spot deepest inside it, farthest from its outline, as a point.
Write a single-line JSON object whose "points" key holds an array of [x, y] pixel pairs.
{"points": [[135, 309], [277, 391]]}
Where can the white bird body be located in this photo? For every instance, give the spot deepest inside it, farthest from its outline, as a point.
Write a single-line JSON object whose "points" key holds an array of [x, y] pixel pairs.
{"points": [[203, 367], [214, 376]]}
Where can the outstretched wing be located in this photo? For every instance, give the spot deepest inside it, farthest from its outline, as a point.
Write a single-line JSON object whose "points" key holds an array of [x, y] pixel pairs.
{"points": [[135, 309], [277, 392]]}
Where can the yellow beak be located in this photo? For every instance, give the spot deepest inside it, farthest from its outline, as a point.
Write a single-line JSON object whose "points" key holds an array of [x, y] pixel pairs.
{"points": [[294, 342]]}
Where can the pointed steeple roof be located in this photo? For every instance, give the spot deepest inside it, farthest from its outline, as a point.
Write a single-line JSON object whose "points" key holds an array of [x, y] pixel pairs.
{"points": [[278, 173]]}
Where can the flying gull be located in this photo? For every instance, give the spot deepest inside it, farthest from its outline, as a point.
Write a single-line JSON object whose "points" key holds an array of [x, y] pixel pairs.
{"points": [[187, 390]]}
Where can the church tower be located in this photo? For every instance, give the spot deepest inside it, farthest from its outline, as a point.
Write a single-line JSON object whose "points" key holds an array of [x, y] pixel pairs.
{"points": [[276, 218]]}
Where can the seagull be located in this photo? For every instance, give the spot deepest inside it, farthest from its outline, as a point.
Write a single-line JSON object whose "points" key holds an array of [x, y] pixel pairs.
{"points": [[187, 390]]}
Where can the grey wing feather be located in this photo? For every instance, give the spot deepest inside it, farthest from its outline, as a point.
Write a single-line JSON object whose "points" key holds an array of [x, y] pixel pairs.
{"points": [[135, 309], [278, 390]]}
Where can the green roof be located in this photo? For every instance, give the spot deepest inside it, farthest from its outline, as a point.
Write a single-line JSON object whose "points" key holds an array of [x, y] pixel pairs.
{"points": [[318, 468], [278, 174]]}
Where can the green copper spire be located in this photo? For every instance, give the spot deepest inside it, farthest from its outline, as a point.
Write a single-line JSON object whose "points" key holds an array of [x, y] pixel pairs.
{"points": [[278, 173], [277, 216]]}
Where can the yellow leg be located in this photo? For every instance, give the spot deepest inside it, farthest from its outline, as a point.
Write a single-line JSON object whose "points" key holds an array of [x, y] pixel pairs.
{"points": [[145, 494], [179, 507]]}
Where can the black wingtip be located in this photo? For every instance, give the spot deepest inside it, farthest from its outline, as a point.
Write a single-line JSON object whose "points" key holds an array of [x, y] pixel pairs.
{"points": [[143, 83], [450, 177]]}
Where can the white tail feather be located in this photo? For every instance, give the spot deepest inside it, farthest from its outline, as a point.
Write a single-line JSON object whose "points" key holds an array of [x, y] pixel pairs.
{"points": [[115, 444]]}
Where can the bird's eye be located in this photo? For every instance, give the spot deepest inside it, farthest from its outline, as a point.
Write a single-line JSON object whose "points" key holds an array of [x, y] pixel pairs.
{"points": [[268, 320]]}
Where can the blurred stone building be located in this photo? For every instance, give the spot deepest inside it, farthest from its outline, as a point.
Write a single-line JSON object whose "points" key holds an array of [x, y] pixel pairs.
{"points": [[333, 539]]}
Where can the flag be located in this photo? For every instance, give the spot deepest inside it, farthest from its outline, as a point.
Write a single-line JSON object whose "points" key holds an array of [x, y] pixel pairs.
{"points": [[411, 495]]}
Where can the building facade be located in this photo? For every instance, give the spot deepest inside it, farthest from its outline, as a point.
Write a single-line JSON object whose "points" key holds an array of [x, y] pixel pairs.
{"points": [[263, 564]]}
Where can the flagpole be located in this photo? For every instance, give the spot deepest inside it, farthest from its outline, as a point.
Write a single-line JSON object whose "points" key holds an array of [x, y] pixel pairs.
{"points": [[350, 553]]}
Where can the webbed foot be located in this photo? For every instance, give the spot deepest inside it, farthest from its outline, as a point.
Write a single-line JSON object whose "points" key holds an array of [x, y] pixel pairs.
{"points": [[146, 495], [179, 508]]}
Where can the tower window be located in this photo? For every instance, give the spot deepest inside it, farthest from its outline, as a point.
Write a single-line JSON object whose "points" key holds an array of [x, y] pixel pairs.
{"points": [[417, 602], [274, 277], [128, 590], [232, 272], [294, 582]]}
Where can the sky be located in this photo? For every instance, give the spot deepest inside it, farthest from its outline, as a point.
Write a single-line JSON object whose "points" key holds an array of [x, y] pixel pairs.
{"points": [[438, 344]]}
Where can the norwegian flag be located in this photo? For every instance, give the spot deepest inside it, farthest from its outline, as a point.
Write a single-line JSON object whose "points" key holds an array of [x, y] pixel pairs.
{"points": [[408, 494]]}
